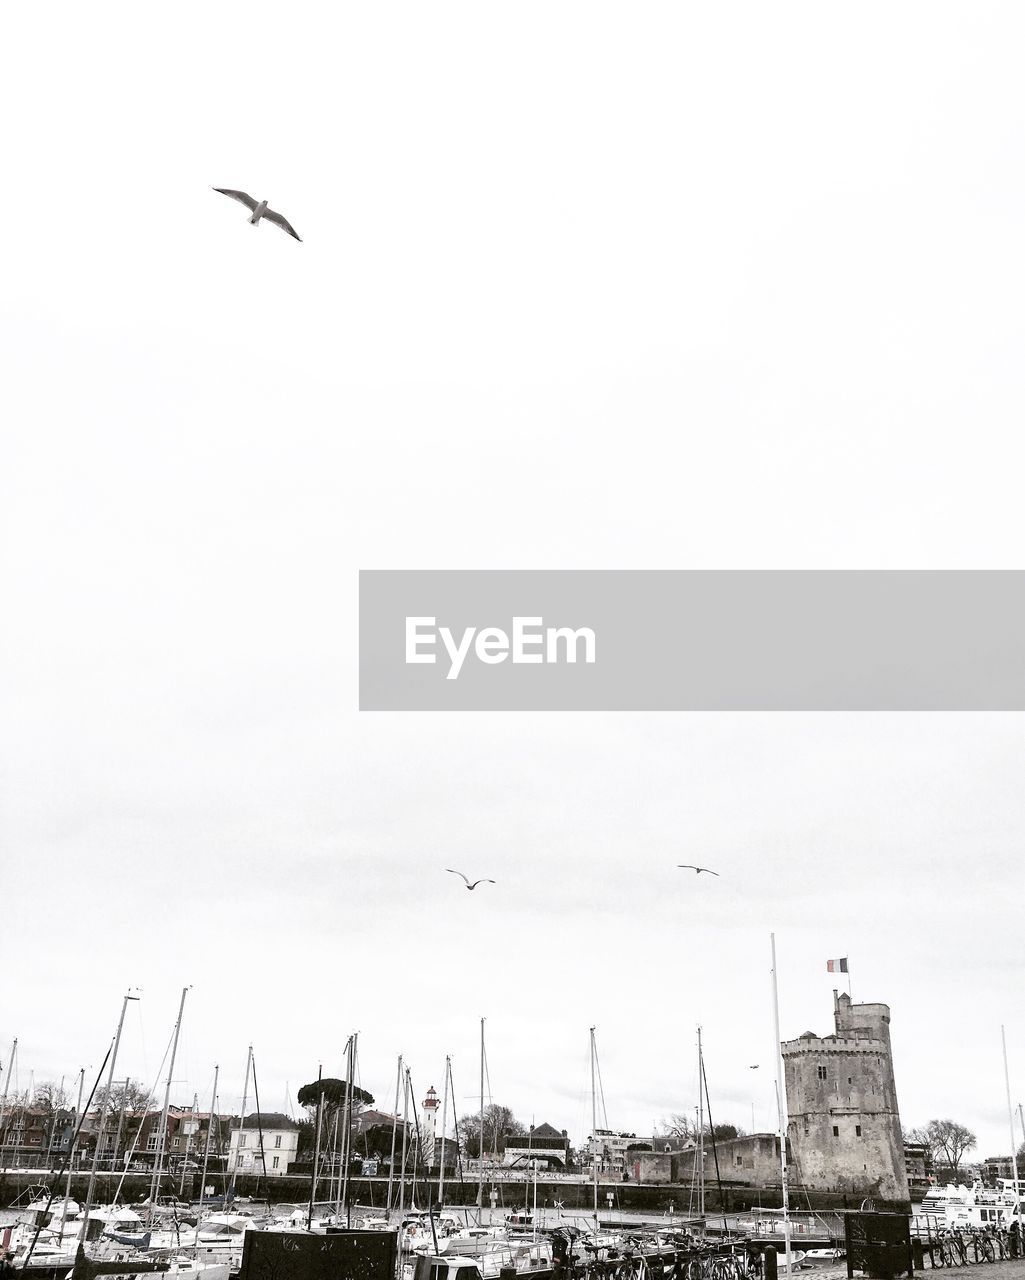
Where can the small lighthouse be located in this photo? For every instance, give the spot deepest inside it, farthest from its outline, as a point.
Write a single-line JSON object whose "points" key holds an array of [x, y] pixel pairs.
{"points": [[429, 1112]]}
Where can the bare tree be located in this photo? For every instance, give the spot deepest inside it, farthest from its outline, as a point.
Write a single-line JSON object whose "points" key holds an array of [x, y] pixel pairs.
{"points": [[499, 1125], [130, 1094], [947, 1139], [50, 1096]]}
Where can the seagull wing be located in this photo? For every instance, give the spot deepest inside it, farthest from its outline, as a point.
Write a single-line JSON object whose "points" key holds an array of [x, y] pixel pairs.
{"points": [[283, 223], [240, 196], [477, 882], [687, 866], [708, 871], [460, 875]]}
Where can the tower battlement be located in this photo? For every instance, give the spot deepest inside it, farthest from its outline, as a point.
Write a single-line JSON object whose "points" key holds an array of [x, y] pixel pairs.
{"points": [[844, 1126]]}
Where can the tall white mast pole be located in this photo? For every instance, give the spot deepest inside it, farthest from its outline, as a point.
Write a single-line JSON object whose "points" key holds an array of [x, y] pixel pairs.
{"points": [[7, 1085], [444, 1127], [394, 1134], [71, 1153], [162, 1138], [781, 1107], [242, 1118], [103, 1118], [701, 1135], [405, 1143], [480, 1181], [1010, 1110], [206, 1152], [594, 1131]]}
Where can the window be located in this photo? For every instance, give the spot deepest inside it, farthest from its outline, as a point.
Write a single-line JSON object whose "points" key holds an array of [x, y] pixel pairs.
{"points": [[857, 1130], [176, 1142], [277, 1140], [850, 1079], [836, 1131], [275, 1162], [821, 1072], [241, 1139], [151, 1142]]}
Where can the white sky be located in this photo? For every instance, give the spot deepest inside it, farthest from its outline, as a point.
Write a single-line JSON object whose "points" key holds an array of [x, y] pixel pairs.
{"points": [[582, 285]]}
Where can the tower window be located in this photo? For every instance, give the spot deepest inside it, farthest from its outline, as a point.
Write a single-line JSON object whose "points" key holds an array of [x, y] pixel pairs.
{"points": [[857, 1130], [822, 1073], [836, 1131]]}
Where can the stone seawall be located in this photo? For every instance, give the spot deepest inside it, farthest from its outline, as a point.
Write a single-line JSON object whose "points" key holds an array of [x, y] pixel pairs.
{"points": [[370, 1193]]}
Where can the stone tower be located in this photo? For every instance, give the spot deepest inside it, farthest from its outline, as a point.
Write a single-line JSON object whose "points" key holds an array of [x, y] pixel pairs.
{"points": [[428, 1122], [844, 1133]]}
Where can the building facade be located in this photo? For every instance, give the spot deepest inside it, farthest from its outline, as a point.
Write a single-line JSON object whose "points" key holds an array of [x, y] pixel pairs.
{"points": [[609, 1149], [280, 1142], [845, 1132], [544, 1143]]}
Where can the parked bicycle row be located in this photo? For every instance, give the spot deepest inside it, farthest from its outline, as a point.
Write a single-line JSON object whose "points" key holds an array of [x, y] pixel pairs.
{"points": [[966, 1246]]}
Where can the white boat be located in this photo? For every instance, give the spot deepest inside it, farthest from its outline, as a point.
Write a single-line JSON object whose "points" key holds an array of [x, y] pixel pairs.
{"points": [[470, 1242], [985, 1207]]}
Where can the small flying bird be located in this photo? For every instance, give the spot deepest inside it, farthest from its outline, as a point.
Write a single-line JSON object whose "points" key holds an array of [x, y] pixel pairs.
{"points": [[259, 209], [689, 866], [466, 881], [754, 1067]]}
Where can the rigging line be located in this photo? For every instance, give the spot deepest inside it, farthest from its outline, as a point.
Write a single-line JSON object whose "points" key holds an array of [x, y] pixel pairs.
{"points": [[142, 1122], [601, 1088], [259, 1127], [418, 1154], [45, 1215], [715, 1150], [363, 1128]]}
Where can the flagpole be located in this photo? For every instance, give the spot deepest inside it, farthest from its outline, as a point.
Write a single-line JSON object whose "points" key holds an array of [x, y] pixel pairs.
{"points": [[1010, 1110], [781, 1108]]}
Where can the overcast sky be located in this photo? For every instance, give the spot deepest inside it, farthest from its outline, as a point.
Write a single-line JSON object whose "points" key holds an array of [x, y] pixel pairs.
{"points": [[582, 286]]}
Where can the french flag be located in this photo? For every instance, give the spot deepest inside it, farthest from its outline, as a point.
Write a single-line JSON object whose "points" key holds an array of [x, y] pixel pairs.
{"points": [[837, 966]]}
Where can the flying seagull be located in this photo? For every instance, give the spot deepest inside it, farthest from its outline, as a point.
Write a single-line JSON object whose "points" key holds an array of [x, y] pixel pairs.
{"points": [[466, 881], [689, 866], [754, 1067], [258, 208]]}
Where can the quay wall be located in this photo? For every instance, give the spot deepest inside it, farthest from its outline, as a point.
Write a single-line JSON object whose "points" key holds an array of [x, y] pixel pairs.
{"points": [[370, 1193]]}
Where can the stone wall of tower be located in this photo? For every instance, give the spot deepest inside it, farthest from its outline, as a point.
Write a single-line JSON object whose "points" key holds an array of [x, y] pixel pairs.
{"points": [[845, 1132]]}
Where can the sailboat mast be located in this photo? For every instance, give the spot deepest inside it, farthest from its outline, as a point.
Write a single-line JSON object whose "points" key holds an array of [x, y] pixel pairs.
{"points": [[781, 1107], [394, 1132], [594, 1130], [105, 1106], [71, 1153], [444, 1128], [206, 1150], [480, 1183], [405, 1140], [7, 1086], [1010, 1111], [242, 1114], [316, 1148], [162, 1138], [701, 1133], [350, 1071]]}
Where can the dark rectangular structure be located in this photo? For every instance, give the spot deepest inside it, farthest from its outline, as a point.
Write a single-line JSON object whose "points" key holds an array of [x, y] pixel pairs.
{"points": [[340, 1255], [878, 1244]]}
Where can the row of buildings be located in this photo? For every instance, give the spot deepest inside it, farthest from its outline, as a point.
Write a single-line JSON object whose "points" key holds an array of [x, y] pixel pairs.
{"points": [[41, 1137], [844, 1134]]}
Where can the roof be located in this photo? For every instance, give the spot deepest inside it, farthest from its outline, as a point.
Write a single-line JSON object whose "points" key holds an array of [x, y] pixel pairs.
{"points": [[547, 1131], [268, 1120]]}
